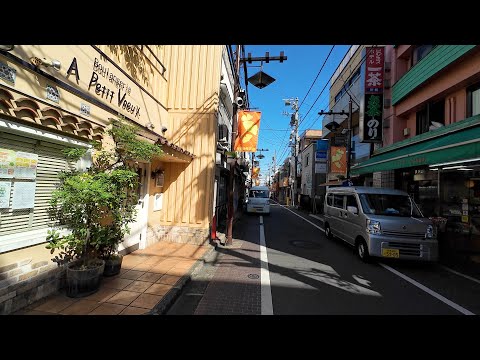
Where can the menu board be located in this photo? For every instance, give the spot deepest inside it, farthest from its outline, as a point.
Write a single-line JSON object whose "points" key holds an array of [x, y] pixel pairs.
{"points": [[23, 195], [7, 163], [18, 164], [26, 165], [5, 188]]}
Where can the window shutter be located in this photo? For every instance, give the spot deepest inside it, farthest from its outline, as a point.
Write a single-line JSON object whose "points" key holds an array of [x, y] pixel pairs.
{"points": [[50, 162]]}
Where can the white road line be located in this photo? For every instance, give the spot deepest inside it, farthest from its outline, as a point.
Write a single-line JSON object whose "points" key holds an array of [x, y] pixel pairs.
{"points": [[266, 291], [317, 217], [410, 280], [301, 217], [460, 274], [429, 291]]}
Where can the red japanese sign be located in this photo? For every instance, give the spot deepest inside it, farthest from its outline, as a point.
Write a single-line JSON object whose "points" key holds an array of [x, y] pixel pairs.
{"points": [[374, 70]]}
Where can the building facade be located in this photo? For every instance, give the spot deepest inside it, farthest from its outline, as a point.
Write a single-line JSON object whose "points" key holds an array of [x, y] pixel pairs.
{"points": [[346, 84], [310, 174], [431, 144], [52, 97]]}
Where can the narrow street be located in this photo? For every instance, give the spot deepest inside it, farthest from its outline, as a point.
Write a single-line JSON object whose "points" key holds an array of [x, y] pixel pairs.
{"points": [[310, 274]]}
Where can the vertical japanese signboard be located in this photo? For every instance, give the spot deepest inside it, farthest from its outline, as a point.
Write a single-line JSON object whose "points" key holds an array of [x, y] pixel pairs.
{"points": [[371, 107], [321, 157]]}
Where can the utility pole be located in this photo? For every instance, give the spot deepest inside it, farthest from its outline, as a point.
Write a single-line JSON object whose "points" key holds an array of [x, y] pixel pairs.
{"points": [[294, 124], [333, 126], [349, 138]]}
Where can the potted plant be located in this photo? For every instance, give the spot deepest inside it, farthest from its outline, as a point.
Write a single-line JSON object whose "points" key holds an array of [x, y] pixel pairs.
{"points": [[96, 206]]}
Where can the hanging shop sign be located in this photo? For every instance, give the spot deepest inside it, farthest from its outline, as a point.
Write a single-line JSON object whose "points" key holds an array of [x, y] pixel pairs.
{"points": [[248, 128], [320, 168], [338, 159], [321, 151], [371, 106]]}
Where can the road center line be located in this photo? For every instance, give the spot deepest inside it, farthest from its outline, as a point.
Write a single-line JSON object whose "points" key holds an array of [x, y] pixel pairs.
{"points": [[410, 280], [429, 291], [301, 217], [266, 290]]}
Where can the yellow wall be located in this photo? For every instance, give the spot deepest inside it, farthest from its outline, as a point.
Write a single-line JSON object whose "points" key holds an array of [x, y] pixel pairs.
{"points": [[34, 85], [193, 75], [188, 89]]}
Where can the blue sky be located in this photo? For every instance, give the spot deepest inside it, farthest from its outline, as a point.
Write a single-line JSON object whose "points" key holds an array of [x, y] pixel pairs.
{"points": [[293, 79]]}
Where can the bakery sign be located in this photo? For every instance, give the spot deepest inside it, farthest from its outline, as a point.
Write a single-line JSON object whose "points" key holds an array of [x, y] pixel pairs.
{"points": [[107, 85]]}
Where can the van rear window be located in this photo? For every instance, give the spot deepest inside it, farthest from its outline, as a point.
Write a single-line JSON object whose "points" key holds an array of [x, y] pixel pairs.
{"points": [[258, 194]]}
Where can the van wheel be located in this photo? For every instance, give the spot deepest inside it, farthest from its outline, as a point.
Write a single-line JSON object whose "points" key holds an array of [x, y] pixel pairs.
{"points": [[328, 232], [362, 250]]}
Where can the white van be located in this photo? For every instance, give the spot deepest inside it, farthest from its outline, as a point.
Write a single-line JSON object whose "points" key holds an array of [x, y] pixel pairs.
{"points": [[380, 222], [258, 200]]}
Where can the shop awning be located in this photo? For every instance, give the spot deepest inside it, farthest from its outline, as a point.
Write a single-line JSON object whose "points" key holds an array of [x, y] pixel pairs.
{"points": [[458, 141]]}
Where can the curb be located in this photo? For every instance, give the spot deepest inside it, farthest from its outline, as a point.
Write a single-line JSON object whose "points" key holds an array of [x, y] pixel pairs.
{"points": [[169, 298]]}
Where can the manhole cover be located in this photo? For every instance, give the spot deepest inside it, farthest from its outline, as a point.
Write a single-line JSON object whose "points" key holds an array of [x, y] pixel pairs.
{"points": [[253, 276], [304, 244]]}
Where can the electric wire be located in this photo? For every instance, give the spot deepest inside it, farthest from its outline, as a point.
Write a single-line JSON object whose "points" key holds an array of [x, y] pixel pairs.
{"points": [[318, 74]]}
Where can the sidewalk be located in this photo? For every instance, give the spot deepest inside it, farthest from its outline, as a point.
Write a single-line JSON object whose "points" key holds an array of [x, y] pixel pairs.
{"points": [[149, 281], [235, 288]]}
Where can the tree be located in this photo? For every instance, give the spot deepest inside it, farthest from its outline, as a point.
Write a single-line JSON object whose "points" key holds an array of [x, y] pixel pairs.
{"points": [[97, 205]]}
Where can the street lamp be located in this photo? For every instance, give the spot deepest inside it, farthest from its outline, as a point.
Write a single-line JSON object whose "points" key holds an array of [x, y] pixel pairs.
{"points": [[334, 126]]}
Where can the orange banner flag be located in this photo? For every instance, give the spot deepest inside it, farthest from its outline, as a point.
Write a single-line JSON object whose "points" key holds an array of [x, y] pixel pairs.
{"points": [[248, 128], [338, 159]]}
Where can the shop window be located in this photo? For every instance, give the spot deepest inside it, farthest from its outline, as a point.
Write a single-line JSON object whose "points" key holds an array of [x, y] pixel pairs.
{"points": [[431, 117], [473, 100]]}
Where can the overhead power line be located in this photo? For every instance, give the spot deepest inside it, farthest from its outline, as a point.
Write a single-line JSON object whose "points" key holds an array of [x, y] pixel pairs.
{"points": [[311, 86]]}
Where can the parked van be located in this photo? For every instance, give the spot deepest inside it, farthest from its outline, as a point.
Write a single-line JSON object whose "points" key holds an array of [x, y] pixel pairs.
{"points": [[258, 200], [380, 222]]}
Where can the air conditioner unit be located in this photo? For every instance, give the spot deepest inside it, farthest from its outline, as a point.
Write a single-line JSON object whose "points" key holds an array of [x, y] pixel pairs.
{"points": [[406, 131]]}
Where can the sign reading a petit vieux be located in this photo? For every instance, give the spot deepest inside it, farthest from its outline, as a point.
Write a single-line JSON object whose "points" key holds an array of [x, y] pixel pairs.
{"points": [[371, 124]]}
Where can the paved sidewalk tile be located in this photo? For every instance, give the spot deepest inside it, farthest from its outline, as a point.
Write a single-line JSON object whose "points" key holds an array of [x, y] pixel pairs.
{"points": [[142, 283]]}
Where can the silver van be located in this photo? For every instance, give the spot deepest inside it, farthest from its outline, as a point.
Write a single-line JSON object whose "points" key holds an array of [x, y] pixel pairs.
{"points": [[379, 222]]}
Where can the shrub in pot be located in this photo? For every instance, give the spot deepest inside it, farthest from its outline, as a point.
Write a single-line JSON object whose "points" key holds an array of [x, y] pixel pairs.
{"points": [[96, 207]]}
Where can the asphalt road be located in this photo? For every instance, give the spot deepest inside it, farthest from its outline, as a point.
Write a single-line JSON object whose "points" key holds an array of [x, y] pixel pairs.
{"points": [[304, 273], [310, 274]]}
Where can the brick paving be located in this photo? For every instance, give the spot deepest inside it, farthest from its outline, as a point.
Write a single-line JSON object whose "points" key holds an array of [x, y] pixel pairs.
{"points": [[145, 279], [232, 291]]}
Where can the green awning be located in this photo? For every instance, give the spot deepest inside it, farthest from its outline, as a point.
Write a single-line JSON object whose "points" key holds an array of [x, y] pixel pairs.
{"points": [[458, 141]]}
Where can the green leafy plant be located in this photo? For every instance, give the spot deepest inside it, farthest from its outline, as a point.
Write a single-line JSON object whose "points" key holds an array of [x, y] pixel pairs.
{"points": [[96, 206]]}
